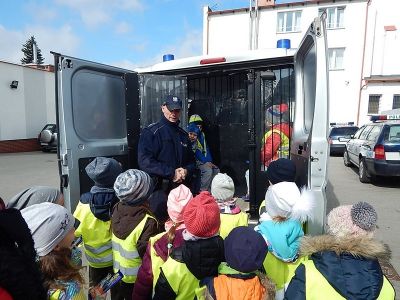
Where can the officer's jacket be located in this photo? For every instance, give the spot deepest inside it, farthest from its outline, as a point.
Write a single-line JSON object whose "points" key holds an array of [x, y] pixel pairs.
{"points": [[164, 147]]}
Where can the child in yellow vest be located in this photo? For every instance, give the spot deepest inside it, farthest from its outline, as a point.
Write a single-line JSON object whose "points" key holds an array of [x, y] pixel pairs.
{"points": [[223, 190], [281, 225], [94, 213], [52, 228], [132, 226], [161, 245]]}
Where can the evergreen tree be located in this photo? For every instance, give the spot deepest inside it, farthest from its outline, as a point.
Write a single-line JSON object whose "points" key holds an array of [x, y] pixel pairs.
{"points": [[27, 49]]}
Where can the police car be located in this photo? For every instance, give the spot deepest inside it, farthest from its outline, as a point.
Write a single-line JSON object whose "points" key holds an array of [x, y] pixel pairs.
{"points": [[339, 134], [375, 148]]}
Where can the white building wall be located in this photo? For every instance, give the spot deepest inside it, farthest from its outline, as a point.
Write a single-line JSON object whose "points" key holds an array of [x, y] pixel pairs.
{"points": [[25, 110], [345, 84]]}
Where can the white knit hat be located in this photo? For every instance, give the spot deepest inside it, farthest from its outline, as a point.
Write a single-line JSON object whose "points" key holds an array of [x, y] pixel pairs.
{"points": [[222, 187], [49, 223], [285, 199]]}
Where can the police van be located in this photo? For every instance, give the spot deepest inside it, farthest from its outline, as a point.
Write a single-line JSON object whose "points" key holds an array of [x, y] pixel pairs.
{"points": [[101, 110]]}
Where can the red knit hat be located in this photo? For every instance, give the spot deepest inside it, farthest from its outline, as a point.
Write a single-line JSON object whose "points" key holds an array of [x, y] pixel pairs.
{"points": [[201, 216]]}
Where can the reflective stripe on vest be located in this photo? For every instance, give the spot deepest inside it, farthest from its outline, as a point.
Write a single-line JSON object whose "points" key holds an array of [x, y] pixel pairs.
{"points": [[229, 222], [181, 280], [126, 257], [283, 150], [281, 272], [262, 209], [96, 235], [156, 261], [316, 282]]}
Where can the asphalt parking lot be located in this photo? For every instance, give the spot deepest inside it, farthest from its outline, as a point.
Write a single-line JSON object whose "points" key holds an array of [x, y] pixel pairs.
{"points": [[21, 170]]}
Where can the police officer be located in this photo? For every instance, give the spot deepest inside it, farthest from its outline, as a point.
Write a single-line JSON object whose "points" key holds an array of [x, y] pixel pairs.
{"points": [[165, 153]]}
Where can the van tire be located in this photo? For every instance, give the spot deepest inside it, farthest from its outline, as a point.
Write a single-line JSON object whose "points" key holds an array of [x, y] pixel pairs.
{"points": [[346, 159], [363, 173]]}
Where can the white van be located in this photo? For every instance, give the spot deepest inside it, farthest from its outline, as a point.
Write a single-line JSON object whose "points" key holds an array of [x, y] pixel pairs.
{"points": [[101, 110]]}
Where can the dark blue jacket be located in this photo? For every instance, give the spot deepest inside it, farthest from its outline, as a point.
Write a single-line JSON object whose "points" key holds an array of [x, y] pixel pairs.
{"points": [[353, 276], [164, 147]]}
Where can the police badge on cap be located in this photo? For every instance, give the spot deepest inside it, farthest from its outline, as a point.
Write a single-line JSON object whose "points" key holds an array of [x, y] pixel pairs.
{"points": [[173, 102]]}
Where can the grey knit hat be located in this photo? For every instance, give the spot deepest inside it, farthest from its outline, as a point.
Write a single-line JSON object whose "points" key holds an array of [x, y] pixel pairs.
{"points": [[103, 171], [133, 186], [364, 216], [49, 223], [222, 187]]}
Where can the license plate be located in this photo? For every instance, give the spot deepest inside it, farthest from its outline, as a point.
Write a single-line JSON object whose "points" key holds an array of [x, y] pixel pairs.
{"points": [[392, 155]]}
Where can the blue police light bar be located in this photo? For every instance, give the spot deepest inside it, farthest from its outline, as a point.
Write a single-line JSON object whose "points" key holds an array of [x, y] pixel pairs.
{"points": [[341, 124], [384, 117]]}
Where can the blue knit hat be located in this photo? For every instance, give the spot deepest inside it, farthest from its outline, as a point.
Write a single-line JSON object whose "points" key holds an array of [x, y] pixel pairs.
{"points": [[192, 127], [282, 169], [245, 249]]}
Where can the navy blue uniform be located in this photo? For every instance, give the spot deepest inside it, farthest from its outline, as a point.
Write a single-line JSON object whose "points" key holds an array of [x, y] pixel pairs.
{"points": [[164, 147]]}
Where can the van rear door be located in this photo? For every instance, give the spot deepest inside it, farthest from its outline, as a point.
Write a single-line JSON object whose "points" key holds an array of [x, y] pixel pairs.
{"points": [[98, 114], [309, 146]]}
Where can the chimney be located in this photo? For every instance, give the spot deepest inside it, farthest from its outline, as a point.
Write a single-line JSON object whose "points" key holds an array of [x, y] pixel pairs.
{"points": [[265, 3]]}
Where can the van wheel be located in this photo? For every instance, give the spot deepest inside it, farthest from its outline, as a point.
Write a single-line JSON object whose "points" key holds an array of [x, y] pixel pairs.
{"points": [[346, 159], [363, 173]]}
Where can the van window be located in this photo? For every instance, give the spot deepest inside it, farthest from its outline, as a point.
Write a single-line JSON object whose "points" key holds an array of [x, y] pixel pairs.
{"points": [[98, 104], [309, 84]]}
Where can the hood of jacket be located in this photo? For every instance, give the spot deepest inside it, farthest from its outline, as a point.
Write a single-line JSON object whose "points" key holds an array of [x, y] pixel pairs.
{"points": [[202, 257], [126, 217], [101, 203], [350, 265]]}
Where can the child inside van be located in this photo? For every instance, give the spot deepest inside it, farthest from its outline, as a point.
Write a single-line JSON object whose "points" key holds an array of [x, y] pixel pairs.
{"points": [[287, 208], [160, 246], [223, 189], [132, 226], [52, 228], [94, 214], [199, 256]]}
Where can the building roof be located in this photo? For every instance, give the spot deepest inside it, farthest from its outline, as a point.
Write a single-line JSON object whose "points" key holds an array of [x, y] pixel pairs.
{"points": [[382, 78], [45, 68]]}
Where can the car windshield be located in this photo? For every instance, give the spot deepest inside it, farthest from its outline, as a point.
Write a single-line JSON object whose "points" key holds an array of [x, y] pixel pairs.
{"points": [[394, 134], [343, 131]]}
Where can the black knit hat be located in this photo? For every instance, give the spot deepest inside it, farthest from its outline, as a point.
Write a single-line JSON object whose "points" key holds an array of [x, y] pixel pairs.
{"points": [[245, 249], [282, 169]]}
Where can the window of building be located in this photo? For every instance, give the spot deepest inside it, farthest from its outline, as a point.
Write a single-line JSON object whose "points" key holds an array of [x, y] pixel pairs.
{"points": [[334, 18], [336, 58], [289, 21], [373, 104], [396, 101]]}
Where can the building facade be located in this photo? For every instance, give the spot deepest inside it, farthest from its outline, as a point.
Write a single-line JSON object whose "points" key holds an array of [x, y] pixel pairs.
{"points": [[362, 46], [27, 104]]}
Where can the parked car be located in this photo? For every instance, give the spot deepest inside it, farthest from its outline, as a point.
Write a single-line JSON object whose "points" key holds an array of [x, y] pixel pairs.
{"points": [[375, 150], [338, 137], [47, 138]]}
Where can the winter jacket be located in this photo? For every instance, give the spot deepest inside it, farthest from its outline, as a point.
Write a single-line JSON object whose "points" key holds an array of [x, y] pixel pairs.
{"points": [[101, 202], [202, 151], [144, 283], [269, 150], [164, 147], [350, 265], [126, 217], [201, 257]]}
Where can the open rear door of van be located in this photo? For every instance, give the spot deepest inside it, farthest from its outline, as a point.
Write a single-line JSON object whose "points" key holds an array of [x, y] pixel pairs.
{"points": [[98, 114], [309, 148]]}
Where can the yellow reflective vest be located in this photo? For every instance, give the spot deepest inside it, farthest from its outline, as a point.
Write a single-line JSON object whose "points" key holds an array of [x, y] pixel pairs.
{"points": [[281, 272], [231, 221], [182, 281], [317, 287], [156, 261], [126, 257], [96, 236], [283, 150]]}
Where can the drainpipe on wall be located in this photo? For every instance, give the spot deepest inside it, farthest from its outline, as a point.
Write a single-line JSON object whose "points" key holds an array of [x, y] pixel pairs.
{"points": [[251, 24], [206, 10], [362, 65]]}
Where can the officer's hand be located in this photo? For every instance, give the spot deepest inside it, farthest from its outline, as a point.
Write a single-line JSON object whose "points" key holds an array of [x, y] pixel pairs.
{"points": [[183, 173], [178, 176]]}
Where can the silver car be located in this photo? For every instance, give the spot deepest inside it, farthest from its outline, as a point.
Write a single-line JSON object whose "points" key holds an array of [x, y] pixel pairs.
{"points": [[47, 138]]}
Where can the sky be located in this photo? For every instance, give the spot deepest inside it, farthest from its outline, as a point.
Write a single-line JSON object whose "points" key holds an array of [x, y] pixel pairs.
{"points": [[124, 33]]}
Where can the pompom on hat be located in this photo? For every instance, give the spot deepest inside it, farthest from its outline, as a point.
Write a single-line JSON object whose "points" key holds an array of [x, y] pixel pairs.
{"points": [[49, 223], [201, 216], [133, 186], [103, 171], [245, 249], [352, 220], [284, 199], [178, 198]]}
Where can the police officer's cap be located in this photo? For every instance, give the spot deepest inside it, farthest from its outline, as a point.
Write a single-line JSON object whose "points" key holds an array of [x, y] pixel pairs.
{"points": [[173, 102]]}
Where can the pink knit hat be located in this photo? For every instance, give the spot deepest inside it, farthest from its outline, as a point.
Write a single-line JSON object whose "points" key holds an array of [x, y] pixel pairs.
{"points": [[177, 200], [201, 216]]}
